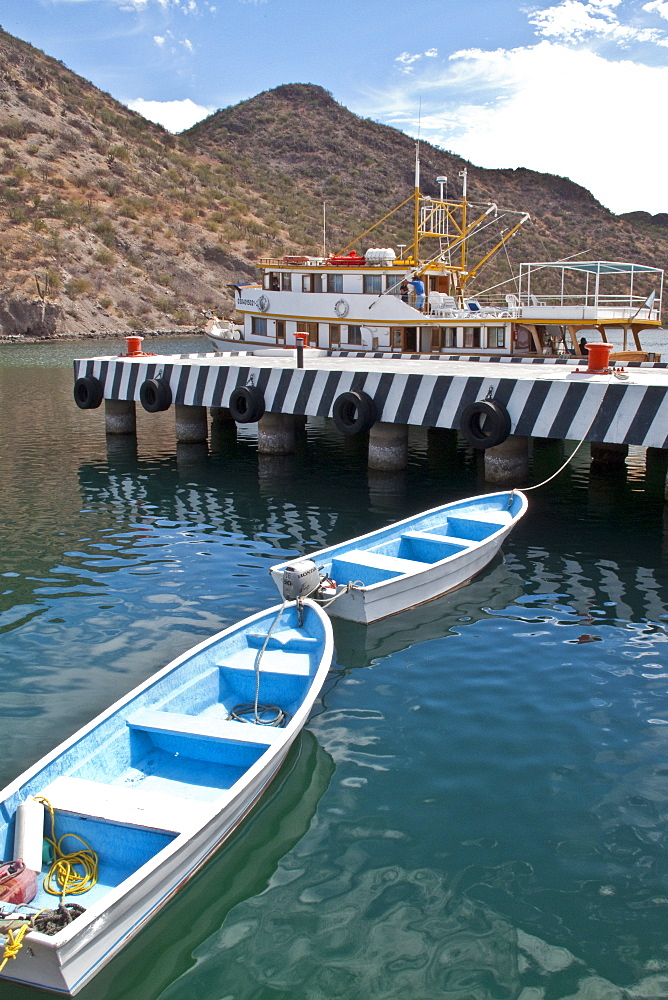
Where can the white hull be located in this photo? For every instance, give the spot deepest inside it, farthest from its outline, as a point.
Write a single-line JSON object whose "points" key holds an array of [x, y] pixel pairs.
{"points": [[421, 582], [66, 961]]}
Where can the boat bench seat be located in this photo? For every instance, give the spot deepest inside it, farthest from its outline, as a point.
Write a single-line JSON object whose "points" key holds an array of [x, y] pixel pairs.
{"points": [[122, 804], [431, 547], [291, 643], [476, 529], [204, 728], [371, 567]]}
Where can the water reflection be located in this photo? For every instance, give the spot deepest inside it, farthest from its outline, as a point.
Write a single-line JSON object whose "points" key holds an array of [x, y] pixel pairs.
{"points": [[495, 823]]}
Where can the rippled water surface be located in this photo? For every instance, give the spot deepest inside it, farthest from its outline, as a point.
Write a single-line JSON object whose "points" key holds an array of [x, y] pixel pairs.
{"points": [[478, 807]]}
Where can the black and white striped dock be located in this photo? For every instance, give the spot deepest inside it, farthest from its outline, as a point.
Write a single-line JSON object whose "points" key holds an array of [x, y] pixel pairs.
{"points": [[557, 400]]}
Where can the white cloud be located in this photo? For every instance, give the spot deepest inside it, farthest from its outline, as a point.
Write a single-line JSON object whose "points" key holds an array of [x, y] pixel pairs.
{"points": [[406, 59], [159, 40], [187, 44], [659, 7], [551, 107], [577, 21], [175, 116]]}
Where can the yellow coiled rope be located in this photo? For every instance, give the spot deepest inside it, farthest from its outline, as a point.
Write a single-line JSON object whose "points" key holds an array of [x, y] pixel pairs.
{"points": [[70, 874], [73, 873], [14, 942]]}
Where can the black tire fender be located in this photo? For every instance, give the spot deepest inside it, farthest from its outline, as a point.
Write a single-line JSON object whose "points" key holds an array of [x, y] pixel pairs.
{"points": [[354, 412], [246, 404], [485, 424], [88, 392], [155, 395]]}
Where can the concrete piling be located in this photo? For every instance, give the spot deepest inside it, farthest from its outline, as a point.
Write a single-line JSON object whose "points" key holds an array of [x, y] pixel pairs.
{"points": [[388, 447], [120, 416], [276, 434], [190, 424]]}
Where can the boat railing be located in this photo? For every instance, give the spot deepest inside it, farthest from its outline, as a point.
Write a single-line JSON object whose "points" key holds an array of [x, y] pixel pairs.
{"points": [[601, 287], [617, 304]]}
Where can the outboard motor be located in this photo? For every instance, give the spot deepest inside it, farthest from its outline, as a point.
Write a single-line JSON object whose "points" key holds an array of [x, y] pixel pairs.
{"points": [[300, 579]]}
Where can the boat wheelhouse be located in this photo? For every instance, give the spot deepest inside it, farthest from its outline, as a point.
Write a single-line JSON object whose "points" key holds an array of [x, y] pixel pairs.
{"points": [[417, 299]]}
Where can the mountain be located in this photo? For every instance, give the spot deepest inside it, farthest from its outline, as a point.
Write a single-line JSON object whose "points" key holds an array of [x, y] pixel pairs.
{"points": [[110, 224]]}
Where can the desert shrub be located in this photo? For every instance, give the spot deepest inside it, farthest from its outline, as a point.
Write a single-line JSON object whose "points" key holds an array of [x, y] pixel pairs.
{"points": [[77, 286], [15, 128], [105, 257], [121, 153], [106, 231]]}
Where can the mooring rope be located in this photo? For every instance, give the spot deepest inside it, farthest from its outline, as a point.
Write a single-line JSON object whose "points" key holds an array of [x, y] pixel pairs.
{"points": [[537, 486]]}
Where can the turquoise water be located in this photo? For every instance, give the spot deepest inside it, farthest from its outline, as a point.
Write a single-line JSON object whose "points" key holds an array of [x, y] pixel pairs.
{"points": [[478, 808]]}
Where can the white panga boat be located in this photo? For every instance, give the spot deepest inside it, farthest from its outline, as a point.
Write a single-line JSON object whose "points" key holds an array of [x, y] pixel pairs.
{"points": [[223, 335], [156, 783], [419, 298], [408, 562]]}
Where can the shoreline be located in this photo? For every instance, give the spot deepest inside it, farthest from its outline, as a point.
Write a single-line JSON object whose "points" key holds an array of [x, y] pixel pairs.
{"points": [[110, 335]]}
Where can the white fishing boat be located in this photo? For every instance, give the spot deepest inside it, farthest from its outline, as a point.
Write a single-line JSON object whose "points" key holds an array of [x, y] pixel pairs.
{"points": [[419, 298], [407, 563], [223, 334], [152, 787]]}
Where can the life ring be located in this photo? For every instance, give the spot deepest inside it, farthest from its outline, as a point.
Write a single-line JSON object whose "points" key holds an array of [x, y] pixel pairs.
{"points": [[88, 392], [354, 412], [341, 308], [246, 404], [485, 424], [155, 395]]}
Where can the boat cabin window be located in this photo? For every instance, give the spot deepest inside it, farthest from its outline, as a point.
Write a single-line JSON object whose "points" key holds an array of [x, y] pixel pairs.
{"points": [[334, 283], [280, 331], [286, 282], [259, 326], [272, 281], [354, 334], [496, 336], [311, 283], [472, 336], [372, 284], [443, 338], [393, 284], [334, 334]]}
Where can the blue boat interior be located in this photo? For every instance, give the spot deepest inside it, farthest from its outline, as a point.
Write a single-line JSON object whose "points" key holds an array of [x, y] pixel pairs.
{"points": [[157, 766], [422, 541]]}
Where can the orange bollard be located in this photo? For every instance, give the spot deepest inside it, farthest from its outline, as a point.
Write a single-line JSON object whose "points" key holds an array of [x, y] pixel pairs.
{"points": [[599, 357], [134, 345]]}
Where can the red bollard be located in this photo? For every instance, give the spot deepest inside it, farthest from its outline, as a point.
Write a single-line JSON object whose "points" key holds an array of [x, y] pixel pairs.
{"points": [[599, 357]]}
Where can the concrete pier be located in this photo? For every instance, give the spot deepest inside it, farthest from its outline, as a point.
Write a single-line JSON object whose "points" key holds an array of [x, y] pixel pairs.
{"points": [[550, 401], [388, 447], [276, 434], [120, 416], [191, 424], [508, 463]]}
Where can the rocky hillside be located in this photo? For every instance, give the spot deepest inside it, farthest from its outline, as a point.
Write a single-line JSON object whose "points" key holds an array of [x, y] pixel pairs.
{"points": [[109, 224]]}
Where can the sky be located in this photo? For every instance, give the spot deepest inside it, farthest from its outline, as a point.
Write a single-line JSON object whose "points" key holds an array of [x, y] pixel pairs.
{"points": [[573, 88]]}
